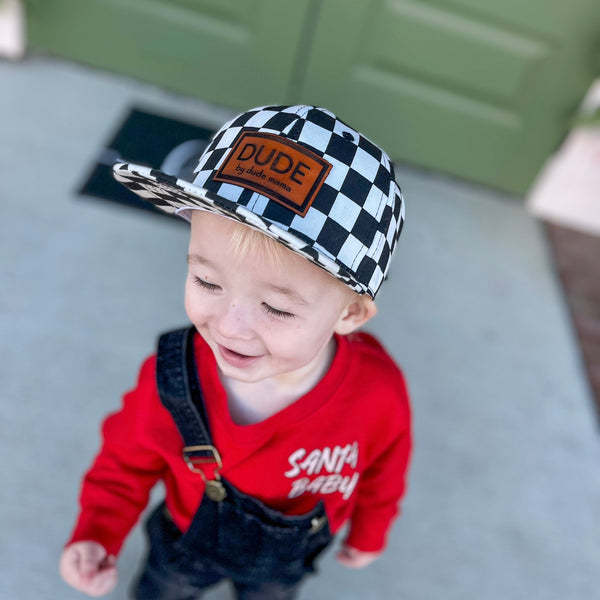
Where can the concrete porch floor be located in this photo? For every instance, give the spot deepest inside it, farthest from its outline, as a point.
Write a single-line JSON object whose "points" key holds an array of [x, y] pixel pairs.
{"points": [[504, 490]]}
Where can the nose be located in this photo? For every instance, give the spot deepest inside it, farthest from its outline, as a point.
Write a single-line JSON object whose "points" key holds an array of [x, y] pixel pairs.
{"points": [[233, 322]]}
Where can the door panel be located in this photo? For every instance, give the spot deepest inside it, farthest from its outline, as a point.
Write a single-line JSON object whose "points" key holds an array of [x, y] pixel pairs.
{"points": [[474, 47], [235, 53], [476, 88]]}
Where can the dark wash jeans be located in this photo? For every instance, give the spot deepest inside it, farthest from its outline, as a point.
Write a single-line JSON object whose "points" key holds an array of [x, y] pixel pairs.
{"points": [[264, 553]]}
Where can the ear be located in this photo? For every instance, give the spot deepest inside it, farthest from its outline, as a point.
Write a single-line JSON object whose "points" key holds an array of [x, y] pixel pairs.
{"points": [[355, 314]]}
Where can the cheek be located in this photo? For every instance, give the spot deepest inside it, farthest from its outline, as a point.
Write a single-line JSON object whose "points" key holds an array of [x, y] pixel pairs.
{"points": [[299, 343]]}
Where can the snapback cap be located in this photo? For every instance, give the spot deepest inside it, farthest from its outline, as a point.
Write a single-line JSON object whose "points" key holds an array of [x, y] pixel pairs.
{"points": [[299, 175]]}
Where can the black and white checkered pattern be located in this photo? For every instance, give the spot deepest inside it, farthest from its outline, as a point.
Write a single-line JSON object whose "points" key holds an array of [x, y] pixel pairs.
{"points": [[353, 224]]}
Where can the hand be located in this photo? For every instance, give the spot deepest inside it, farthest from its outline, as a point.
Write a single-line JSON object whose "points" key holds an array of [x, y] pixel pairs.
{"points": [[88, 568], [353, 558]]}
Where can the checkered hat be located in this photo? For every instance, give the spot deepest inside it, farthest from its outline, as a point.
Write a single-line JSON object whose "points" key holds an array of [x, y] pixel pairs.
{"points": [[297, 174]]}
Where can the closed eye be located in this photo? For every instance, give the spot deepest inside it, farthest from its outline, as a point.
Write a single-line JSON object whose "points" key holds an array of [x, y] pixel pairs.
{"points": [[211, 287], [282, 314]]}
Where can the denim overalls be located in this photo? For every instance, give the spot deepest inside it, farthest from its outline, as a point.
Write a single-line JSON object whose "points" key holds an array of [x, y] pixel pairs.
{"points": [[232, 536]]}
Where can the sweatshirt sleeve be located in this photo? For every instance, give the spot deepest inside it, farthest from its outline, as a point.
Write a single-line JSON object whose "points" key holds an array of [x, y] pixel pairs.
{"points": [[383, 483], [116, 488]]}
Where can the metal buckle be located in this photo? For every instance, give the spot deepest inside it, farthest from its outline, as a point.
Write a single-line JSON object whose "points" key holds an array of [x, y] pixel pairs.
{"points": [[194, 461], [317, 524], [215, 489]]}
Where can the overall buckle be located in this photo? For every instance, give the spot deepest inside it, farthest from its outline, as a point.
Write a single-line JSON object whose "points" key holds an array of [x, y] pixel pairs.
{"points": [[195, 457]]}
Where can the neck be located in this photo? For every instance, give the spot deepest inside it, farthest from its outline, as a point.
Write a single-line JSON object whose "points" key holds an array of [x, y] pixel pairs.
{"points": [[257, 401]]}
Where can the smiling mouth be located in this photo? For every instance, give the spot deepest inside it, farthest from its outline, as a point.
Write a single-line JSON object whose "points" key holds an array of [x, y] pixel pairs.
{"points": [[237, 359], [237, 353]]}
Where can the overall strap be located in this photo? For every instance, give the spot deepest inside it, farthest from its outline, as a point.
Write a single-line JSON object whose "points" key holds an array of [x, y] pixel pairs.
{"points": [[180, 393]]}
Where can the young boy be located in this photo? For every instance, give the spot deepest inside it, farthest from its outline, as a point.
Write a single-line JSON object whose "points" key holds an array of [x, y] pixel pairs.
{"points": [[271, 421]]}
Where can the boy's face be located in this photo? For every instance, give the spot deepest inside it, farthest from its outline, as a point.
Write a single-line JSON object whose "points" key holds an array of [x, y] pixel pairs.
{"points": [[262, 317]]}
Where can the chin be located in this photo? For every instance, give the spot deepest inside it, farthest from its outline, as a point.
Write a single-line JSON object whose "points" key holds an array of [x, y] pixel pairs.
{"points": [[242, 377], [241, 374]]}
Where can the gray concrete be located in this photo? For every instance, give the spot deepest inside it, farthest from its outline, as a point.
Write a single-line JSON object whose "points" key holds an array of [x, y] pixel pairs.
{"points": [[505, 487]]}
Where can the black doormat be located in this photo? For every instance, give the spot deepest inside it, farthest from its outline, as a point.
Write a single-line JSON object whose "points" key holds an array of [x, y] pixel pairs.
{"points": [[148, 139]]}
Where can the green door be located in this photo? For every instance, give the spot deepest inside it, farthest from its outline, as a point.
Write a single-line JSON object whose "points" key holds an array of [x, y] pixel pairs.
{"points": [[237, 53], [483, 89]]}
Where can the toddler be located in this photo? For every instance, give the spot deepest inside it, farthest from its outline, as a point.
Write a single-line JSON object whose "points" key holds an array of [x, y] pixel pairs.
{"points": [[271, 420]]}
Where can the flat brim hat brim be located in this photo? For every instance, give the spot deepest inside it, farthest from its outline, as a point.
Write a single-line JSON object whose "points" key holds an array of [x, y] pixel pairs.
{"points": [[179, 197]]}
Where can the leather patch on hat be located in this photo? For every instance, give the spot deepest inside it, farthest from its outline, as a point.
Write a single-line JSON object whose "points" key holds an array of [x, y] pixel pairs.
{"points": [[280, 169]]}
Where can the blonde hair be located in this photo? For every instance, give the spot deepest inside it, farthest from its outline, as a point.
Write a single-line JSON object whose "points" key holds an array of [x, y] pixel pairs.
{"points": [[245, 239]]}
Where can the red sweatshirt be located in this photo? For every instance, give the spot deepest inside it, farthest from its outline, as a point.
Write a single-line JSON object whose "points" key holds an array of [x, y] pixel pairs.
{"points": [[347, 441]]}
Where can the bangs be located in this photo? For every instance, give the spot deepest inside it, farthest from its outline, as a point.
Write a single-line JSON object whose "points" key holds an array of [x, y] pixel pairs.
{"points": [[244, 241]]}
